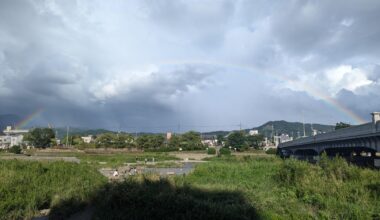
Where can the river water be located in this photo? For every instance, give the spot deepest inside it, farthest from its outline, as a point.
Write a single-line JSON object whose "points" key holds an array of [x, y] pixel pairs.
{"points": [[187, 168]]}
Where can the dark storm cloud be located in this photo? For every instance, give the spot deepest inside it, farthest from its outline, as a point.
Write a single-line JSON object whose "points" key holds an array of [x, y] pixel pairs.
{"points": [[130, 64], [333, 31]]}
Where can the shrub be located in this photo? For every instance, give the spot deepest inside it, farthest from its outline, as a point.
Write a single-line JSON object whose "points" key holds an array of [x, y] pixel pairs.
{"points": [[15, 149], [162, 149], [335, 188], [225, 151], [211, 151], [271, 151]]}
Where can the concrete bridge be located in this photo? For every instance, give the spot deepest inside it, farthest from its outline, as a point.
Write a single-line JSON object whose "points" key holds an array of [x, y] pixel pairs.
{"points": [[360, 143]]}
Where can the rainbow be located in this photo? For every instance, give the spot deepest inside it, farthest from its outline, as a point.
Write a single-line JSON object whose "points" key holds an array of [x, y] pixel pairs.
{"points": [[306, 87], [29, 118]]}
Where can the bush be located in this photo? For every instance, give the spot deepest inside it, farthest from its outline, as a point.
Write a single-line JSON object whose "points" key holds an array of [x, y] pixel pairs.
{"points": [[162, 149], [336, 189], [271, 151], [211, 151], [15, 149], [225, 151], [27, 187]]}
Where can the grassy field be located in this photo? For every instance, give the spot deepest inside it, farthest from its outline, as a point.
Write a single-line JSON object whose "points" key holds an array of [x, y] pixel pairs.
{"points": [[26, 187], [249, 188], [294, 189], [231, 187]]}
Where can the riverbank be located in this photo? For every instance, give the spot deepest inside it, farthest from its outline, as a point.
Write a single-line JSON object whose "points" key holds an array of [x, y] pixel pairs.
{"points": [[229, 187]]}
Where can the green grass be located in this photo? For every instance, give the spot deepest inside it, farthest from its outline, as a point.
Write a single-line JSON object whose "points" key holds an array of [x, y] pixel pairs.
{"points": [[227, 187], [26, 187], [294, 189]]}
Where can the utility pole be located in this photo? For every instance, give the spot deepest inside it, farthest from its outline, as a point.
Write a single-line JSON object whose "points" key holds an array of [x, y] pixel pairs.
{"points": [[67, 136], [303, 123], [240, 126]]}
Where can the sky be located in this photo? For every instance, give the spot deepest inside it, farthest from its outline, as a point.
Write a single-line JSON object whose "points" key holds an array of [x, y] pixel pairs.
{"points": [[161, 65]]}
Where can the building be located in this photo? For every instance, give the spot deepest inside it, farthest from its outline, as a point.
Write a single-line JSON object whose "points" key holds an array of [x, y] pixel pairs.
{"points": [[253, 132], [282, 139], [88, 139], [168, 135], [12, 137], [209, 142]]}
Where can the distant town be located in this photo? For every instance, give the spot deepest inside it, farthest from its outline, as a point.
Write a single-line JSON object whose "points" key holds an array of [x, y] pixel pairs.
{"points": [[266, 137]]}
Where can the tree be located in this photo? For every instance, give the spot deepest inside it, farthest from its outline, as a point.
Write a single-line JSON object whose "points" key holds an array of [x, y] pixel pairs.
{"points": [[191, 140], [105, 140], [123, 140], [341, 125], [236, 139], [220, 139], [254, 141], [175, 141], [72, 140], [150, 141], [40, 137]]}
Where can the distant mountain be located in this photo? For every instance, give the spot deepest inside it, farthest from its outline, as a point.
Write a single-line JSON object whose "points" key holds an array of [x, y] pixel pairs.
{"points": [[8, 119], [293, 129]]}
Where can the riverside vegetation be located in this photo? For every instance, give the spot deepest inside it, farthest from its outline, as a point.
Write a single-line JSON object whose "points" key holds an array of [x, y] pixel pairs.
{"points": [[226, 187]]}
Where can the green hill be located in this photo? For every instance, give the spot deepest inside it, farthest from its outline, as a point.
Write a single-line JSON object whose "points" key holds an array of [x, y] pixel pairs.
{"points": [[293, 129]]}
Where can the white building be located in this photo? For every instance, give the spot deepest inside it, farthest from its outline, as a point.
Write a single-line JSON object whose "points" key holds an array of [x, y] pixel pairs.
{"points": [[253, 132], [12, 137], [210, 143], [168, 135], [282, 139], [88, 139]]}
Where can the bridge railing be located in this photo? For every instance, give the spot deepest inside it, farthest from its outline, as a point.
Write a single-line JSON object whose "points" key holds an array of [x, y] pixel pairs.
{"points": [[337, 134]]}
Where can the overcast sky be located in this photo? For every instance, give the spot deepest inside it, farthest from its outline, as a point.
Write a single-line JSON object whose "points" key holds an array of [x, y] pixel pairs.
{"points": [[204, 64]]}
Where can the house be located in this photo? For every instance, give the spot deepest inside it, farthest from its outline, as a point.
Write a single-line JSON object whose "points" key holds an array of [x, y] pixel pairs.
{"points": [[12, 137], [88, 139], [168, 135], [253, 132], [210, 143]]}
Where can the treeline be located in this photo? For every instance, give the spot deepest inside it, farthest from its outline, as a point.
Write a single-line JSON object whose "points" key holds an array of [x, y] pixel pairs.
{"points": [[241, 140], [187, 141], [45, 137]]}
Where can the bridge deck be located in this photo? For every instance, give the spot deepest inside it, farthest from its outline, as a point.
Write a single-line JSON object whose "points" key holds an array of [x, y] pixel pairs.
{"points": [[358, 131]]}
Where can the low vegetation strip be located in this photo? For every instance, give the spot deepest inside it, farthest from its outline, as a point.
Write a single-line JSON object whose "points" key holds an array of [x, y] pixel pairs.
{"points": [[27, 187]]}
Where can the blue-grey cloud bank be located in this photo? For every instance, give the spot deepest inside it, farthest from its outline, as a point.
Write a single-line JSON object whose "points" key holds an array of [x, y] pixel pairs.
{"points": [[160, 65]]}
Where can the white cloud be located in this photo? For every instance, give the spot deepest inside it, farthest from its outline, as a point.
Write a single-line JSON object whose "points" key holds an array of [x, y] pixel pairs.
{"points": [[346, 77], [347, 22]]}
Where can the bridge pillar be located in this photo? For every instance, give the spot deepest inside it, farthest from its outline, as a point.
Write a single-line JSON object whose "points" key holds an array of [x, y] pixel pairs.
{"points": [[375, 121]]}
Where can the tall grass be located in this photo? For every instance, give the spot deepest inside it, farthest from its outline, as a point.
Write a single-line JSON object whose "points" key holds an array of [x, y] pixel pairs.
{"points": [[27, 187], [226, 187], [161, 199], [333, 188], [294, 189]]}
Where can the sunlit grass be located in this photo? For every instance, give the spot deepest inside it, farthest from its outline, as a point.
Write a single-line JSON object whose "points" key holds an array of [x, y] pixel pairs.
{"points": [[26, 187]]}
